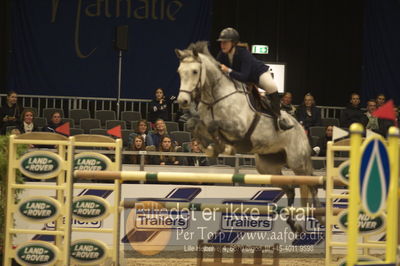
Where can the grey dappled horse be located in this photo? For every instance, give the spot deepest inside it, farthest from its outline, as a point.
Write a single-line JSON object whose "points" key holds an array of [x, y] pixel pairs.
{"points": [[227, 119]]}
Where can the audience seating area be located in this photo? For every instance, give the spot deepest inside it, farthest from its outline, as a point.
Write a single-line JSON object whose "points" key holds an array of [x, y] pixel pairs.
{"points": [[82, 122]]}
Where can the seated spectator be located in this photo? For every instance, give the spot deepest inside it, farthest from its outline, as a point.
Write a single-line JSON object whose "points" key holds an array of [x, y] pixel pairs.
{"points": [[166, 145], [27, 125], [380, 100], [138, 145], [55, 122], [323, 141], [308, 114], [286, 103], [352, 113], [141, 130], [196, 160], [159, 108], [371, 122], [10, 112], [160, 129], [385, 124]]}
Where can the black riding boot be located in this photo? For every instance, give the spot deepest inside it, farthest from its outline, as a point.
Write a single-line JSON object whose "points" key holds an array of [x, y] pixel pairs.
{"points": [[276, 110]]}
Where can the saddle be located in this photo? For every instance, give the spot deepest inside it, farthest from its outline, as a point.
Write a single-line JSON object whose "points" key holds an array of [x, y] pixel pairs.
{"points": [[258, 102]]}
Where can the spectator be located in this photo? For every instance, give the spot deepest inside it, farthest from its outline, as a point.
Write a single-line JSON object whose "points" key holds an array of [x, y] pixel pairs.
{"points": [[166, 145], [10, 112], [323, 141], [286, 103], [380, 100], [196, 160], [352, 113], [308, 114], [159, 108], [371, 122], [55, 122], [27, 125], [159, 131], [138, 145], [141, 130], [385, 124]]}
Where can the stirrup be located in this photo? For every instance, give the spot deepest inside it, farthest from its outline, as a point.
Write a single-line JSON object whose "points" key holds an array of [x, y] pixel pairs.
{"points": [[282, 125]]}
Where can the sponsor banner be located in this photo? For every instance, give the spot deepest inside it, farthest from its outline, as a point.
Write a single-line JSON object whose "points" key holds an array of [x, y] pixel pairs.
{"points": [[37, 253], [161, 219], [39, 209], [91, 161], [237, 222], [343, 170], [146, 231], [90, 208], [367, 225], [88, 252], [40, 164]]}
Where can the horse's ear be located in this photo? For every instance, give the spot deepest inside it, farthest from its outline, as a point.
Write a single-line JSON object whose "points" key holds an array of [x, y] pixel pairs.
{"points": [[179, 54], [195, 53]]}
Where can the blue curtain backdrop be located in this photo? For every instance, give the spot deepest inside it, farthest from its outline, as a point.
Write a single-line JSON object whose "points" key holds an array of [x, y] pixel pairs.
{"points": [[381, 72], [66, 47]]}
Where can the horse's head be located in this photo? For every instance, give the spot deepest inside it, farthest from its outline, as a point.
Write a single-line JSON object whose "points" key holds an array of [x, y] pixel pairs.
{"points": [[190, 72]]}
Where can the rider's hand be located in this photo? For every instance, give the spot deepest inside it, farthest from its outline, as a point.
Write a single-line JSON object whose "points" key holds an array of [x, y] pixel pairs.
{"points": [[225, 69]]}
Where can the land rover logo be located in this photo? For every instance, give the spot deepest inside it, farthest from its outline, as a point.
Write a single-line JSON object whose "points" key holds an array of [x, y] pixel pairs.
{"points": [[40, 164], [88, 251], [91, 161], [90, 208], [366, 224], [344, 172], [37, 253], [39, 209]]}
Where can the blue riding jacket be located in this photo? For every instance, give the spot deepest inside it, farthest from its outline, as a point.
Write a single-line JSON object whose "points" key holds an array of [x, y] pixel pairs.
{"points": [[245, 67]]}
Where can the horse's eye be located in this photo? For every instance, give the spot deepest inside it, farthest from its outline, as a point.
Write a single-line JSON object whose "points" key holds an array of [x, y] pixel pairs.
{"points": [[195, 72]]}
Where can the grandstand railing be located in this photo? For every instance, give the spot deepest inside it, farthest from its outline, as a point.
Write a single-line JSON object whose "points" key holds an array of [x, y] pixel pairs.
{"points": [[93, 104]]}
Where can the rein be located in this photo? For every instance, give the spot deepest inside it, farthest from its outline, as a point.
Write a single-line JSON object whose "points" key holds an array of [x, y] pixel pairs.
{"points": [[211, 105]]}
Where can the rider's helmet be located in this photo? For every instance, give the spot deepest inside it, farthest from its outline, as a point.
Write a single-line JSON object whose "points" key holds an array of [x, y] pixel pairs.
{"points": [[229, 34]]}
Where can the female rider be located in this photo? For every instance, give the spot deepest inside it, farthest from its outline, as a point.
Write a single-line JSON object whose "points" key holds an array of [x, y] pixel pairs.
{"points": [[241, 65]]}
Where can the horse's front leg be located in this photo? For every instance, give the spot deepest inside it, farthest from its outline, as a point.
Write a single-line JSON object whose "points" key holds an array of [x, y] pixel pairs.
{"points": [[290, 194], [210, 142], [220, 145]]}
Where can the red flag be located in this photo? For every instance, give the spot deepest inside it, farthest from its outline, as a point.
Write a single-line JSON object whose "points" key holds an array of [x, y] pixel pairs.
{"points": [[64, 129], [115, 131], [386, 111]]}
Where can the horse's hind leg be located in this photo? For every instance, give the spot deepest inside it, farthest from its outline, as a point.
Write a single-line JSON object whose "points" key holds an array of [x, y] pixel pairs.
{"points": [[308, 194], [272, 164]]}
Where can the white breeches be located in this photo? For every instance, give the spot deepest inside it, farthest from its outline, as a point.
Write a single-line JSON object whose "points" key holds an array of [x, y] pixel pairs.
{"points": [[267, 83]]}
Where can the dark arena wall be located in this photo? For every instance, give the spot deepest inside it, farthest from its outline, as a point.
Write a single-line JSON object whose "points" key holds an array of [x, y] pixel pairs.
{"points": [[331, 48]]}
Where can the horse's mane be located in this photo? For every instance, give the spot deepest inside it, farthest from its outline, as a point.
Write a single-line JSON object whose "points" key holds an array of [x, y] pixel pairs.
{"points": [[201, 47]]}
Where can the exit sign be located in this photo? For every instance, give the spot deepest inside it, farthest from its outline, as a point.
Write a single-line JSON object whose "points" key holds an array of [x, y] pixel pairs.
{"points": [[259, 49]]}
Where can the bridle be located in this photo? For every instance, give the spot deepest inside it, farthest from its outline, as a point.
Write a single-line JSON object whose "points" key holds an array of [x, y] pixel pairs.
{"points": [[198, 87]]}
